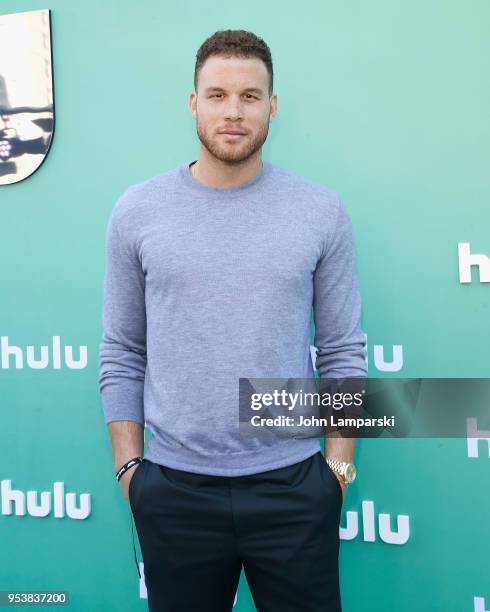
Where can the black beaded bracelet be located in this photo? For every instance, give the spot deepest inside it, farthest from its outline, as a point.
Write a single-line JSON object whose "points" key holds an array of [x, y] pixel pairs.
{"points": [[128, 465]]}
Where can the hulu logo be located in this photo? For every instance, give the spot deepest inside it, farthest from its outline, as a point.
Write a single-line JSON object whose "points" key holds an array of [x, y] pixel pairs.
{"points": [[47, 354], [398, 536], [63, 504], [382, 364], [467, 259], [474, 435], [383, 360], [479, 604]]}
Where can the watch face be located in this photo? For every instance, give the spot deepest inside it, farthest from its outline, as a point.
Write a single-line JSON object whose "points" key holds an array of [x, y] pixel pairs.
{"points": [[350, 472]]}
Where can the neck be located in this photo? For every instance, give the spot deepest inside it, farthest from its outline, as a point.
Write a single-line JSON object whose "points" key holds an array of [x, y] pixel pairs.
{"points": [[216, 173]]}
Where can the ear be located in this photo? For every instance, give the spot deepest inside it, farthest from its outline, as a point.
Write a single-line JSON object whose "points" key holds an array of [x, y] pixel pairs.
{"points": [[193, 103], [273, 107]]}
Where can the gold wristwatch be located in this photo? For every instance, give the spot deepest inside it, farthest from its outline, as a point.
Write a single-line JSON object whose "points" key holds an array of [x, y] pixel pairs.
{"points": [[346, 471]]}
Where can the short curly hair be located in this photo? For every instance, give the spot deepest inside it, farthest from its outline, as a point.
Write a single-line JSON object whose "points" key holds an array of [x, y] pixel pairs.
{"points": [[234, 43]]}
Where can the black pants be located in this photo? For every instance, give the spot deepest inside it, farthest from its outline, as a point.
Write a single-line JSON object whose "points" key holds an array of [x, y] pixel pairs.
{"points": [[197, 531]]}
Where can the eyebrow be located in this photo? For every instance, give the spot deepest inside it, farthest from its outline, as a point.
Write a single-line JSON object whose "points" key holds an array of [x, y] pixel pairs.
{"points": [[256, 90]]}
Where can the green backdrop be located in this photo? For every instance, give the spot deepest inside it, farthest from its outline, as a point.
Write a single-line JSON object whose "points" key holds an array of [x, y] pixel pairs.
{"points": [[385, 102]]}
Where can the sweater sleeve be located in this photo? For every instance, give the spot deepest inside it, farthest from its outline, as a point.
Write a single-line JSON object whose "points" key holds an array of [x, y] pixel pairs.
{"points": [[339, 340], [122, 350]]}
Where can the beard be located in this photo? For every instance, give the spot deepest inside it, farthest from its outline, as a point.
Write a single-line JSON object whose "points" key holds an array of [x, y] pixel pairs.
{"points": [[233, 153]]}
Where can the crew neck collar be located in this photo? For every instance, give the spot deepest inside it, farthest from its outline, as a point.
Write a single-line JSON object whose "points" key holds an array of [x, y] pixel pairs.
{"points": [[223, 192]]}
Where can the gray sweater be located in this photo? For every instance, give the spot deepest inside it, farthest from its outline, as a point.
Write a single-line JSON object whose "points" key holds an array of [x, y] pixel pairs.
{"points": [[204, 285]]}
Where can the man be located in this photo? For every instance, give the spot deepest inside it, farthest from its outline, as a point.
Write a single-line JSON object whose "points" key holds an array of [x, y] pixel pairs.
{"points": [[212, 272]]}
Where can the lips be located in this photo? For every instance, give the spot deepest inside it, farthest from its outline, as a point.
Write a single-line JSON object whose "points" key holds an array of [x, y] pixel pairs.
{"points": [[233, 133]]}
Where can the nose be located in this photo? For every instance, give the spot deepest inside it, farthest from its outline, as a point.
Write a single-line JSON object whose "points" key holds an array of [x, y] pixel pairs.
{"points": [[233, 109]]}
